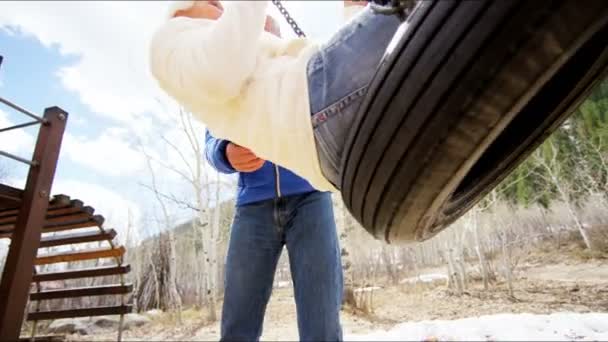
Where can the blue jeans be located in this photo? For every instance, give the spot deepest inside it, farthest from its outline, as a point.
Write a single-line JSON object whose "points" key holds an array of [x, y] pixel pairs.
{"points": [[305, 224], [338, 77]]}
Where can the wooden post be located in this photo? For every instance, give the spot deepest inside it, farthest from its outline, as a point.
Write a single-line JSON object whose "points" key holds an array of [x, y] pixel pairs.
{"points": [[17, 275]]}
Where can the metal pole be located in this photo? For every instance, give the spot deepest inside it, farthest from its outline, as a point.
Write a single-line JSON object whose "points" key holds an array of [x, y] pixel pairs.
{"points": [[31, 123], [23, 110], [24, 161], [17, 274]]}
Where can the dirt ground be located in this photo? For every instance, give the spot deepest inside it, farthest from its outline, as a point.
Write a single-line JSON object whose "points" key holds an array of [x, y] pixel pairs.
{"points": [[570, 285]]}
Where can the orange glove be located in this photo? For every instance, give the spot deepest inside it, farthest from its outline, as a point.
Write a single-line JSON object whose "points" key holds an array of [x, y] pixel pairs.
{"points": [[242, 159]]}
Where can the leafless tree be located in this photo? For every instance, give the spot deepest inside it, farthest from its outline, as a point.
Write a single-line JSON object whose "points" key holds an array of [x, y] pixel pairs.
{"points": [[175, 301], [554, 172]]}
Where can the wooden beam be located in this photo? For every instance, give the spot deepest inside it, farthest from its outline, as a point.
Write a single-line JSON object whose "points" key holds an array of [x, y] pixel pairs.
{"points": [[10, 215], [25, 240], [66, 239], [8, 222], [53, 206], [94, 221], [70, 210], [83, 292], [87, 312], [82, 273], [70, 256], [62, 200], [10, 197], [44, 338]]}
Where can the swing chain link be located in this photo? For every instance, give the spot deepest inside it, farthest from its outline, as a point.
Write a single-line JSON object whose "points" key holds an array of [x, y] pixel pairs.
{"points": [[401, 8], [289, 19]]}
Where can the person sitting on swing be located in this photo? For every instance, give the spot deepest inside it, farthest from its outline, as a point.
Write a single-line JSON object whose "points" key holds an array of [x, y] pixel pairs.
{"points": [[289, 101], [276, 209]]}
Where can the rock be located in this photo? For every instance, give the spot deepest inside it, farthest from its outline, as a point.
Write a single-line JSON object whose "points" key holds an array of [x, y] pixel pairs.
{"points": [[106, 322], [111, 322], [154, 312], [135, 320], [69, 326]]}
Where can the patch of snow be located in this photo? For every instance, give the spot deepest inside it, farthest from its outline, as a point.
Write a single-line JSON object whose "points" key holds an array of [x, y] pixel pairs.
{"points": [[154, 312], [500, 327], [367, 289], [425, 278]]}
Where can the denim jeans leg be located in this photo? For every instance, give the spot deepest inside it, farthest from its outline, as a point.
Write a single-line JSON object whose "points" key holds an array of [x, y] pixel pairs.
{"points": [[316, 268], [253, 252], [338, 77]]}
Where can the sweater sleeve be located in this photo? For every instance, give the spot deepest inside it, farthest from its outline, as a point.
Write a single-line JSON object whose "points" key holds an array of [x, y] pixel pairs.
{"points": [[201, 57], [215, 153]]}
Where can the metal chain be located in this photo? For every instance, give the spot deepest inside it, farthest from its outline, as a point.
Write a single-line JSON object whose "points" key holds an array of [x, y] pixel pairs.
{"points": [[289, 19]]}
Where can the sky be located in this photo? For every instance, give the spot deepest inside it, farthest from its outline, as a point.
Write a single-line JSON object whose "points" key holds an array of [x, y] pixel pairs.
{"points": [[90, 59]]}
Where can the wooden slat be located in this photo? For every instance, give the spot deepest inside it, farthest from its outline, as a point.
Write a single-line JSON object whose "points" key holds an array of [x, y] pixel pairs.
{"points": [[87, 312], [95, 221], [10, 197], [82, 273], [5, 228], [70, 256], [58, 206], [66, 219], [57, 228], [9, 212], [8, 203], [83, 292], [63, 201], [44, 338], [66, 239], [58, 202], [70, 210], [10, 217], [10, 192], [73, 217]]}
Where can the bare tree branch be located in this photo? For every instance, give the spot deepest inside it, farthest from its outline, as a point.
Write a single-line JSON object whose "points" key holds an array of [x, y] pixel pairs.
{"points": [[179, 152], [182, 203]]}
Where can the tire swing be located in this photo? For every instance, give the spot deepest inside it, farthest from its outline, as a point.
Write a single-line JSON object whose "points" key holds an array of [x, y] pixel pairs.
{"points": [[460, 99]]}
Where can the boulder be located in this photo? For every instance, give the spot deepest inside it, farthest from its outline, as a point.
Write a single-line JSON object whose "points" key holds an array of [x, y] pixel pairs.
{"points": [[111, 322], [135, 320], [69, 326]]}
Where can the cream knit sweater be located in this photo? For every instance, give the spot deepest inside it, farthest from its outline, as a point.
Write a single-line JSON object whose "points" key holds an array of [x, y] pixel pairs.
{"points": [[244, 84]]}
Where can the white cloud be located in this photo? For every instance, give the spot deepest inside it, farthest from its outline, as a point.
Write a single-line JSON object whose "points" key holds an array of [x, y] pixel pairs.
{"points": [[110, 37], [15, 141], [111, 74], [114, 207], [15, 182], [111, 153]]}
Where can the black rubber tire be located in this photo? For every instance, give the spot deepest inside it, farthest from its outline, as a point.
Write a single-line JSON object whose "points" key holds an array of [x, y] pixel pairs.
{"points": [[465, 92]]}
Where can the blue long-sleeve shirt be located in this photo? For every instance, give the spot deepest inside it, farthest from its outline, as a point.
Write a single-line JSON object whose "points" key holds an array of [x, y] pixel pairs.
{"points": [[270, 181]]}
